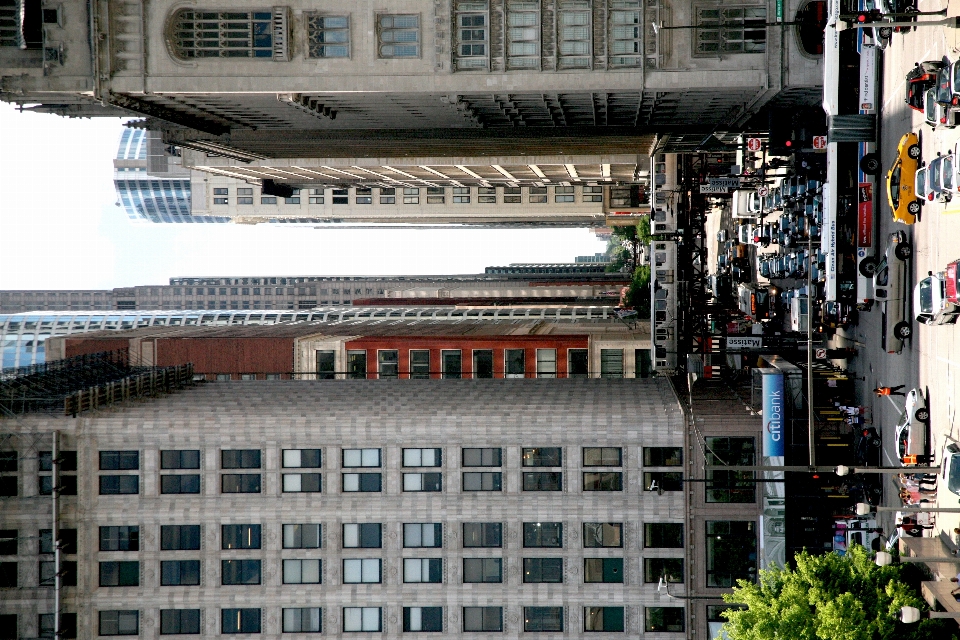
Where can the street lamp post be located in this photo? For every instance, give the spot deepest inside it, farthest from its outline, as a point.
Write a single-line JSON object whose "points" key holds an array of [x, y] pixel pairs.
{"points": [[865, 509], [840, 470], [666, 589], [885, 558]]}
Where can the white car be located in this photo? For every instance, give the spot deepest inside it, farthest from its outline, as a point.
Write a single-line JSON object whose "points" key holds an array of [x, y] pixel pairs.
{"points": [[949, 474], [936, 115], [912, 429], [890, 290], [930, 305]]}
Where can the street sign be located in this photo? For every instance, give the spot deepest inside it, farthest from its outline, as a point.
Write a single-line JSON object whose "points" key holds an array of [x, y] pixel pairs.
{"points": [[821, 354], [726, 183], [736, 343], [709, 188], [762, 191], [753, 144], [819, 142]]}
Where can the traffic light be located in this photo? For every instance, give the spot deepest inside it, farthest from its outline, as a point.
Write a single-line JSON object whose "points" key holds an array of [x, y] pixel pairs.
{"points": [[782, 141], [866, 17]]}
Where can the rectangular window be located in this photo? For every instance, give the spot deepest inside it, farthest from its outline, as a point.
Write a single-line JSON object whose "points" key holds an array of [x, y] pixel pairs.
{"points": [[542, 456], [602, 456], [240, 536], [361, 458], [422, 457], [356, 365], [731, 30], [611, 363], [663, 619], [9, 574], [663, 456], [180, 459], [180, 537], [220, 191], [423, 618], [67, 541], [543, 481], [602, 534], [301, 536], [574, 34], [244, 200], [328, 37], [482, 570], [578, 367], [471, 41], [240, 459], [731, 551], [119, 538], [523, 36], [316, 200], [301, 459], [461, 199], [482, 481], [119, 623], [180, 622], [245, 191], [626, 38], [399, 36], [361, 570], [326, 367], [362, 536], [602, 481], [542, 570], [483, 363], [542, 534], [513, 363], [119, 485], [423, 482], [663, 535], [451, 363], [179, 572], [119, 460], [362, 619], [301, 571], [730, 486], [483, 618], [8, 542], [423, 570], [419, 364], [662, 481], [301, 483], [603, 570], [68, 573], [546, 363], [543, 618], [482, 535], [291, 201], [603, 619], [388, 364], [120, 573], [240, 483], [240, 572], [186, 483], [482, 457], [361, 482], [268, 200], [423, 535], [302, 620], [670, 569], [240, 621], [388, 200]]}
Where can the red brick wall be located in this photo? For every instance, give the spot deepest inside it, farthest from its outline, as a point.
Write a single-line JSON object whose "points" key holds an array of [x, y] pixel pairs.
{"points": [[228, 355]]}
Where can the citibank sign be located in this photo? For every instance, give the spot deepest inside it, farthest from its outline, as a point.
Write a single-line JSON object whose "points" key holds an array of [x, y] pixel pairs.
{"points": [[773, 414]]}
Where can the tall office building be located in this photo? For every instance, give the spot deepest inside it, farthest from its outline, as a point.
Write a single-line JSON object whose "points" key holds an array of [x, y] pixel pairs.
{"points": [[151, 183], [295, 88]]}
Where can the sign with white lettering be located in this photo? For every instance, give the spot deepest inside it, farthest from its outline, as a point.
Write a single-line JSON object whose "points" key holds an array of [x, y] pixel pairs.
{"points": [[773, 418], [709, 188], [727, 183], [736, 343]]}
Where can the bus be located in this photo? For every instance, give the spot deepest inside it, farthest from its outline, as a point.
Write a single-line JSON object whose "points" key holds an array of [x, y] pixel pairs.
{"points": [[849, 190]]}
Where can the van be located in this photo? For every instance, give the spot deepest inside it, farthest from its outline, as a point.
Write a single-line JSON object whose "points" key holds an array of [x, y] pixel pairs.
{"points": [[851, 531], [930, 303], [889, 289], [799, 313]]}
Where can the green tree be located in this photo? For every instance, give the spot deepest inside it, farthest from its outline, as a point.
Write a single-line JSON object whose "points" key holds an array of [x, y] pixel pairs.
{"points": [[831, 597], [625, 244]]}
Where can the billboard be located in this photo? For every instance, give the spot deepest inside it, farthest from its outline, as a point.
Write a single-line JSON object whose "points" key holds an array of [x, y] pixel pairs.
{"points": [[773, 414]]}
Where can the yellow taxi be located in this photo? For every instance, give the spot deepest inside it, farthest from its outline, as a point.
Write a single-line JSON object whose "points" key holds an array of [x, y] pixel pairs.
{"points": [[901, 178]]}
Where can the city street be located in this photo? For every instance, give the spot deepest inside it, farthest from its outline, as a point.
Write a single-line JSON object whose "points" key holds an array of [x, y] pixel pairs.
{"points": [[931, 358]]}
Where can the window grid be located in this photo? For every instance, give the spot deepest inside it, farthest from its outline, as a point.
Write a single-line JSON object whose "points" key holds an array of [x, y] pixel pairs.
{"points": [[223, 34], [398, 36], [328, 37]]}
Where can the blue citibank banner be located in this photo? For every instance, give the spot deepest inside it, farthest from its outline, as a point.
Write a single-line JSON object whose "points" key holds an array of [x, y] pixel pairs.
{"points": [[773, 414]]}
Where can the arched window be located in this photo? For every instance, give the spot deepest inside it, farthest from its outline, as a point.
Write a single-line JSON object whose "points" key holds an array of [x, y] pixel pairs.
{"points": [[812, 18], [225, 34]]}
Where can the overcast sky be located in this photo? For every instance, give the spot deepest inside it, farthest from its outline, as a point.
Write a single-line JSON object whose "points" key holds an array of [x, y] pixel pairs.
{"points": [[60, 227]]}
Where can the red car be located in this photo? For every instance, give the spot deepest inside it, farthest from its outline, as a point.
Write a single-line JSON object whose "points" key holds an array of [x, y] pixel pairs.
{"points": [[919, 79], [950, 282]]}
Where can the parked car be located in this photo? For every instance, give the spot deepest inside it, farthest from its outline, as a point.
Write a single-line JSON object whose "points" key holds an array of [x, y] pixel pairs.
{"points": [[922, 77], [901, 189], [940, 179], [911, 435], [951, 284], [936, 114], [722, 235], [949, 474], [889, 288], [930, 304]]}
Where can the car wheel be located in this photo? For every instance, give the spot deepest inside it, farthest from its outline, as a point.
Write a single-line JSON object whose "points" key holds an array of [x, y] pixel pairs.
{"points": [[870, 164], [886, 33], [868, 266], [913, 151], [903, 251], [914, 207], [922, 415], [903, 330]]}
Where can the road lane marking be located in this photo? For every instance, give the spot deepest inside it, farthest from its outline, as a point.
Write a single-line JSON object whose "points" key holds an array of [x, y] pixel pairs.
{"points": [[948, 361]]}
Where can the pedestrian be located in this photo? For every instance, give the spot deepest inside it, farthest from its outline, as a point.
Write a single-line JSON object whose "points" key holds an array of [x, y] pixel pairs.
{"points": [[890, 391]]}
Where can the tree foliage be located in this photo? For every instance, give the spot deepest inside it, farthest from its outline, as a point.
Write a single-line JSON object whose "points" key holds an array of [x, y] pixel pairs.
{"points": [[624, 251], [830, 597]]}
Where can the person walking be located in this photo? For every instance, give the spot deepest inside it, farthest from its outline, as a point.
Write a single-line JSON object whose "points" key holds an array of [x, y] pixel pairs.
{"points": [[890, 391]]}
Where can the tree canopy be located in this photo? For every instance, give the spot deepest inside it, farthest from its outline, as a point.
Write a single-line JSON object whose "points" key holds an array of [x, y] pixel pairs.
{"points": [[624, 250], [831, 597]]}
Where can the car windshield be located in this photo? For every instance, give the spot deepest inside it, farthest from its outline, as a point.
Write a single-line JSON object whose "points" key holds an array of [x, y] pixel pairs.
{"points": [[956, 75], [903, 436], [948, 172], [930, 105], [921, 185], [926, 295], [953, 481], [893, 186], [933, 179]]}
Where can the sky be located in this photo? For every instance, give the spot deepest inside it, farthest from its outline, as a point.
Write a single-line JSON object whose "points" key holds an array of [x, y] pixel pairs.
{"points": [[60, 227]]}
